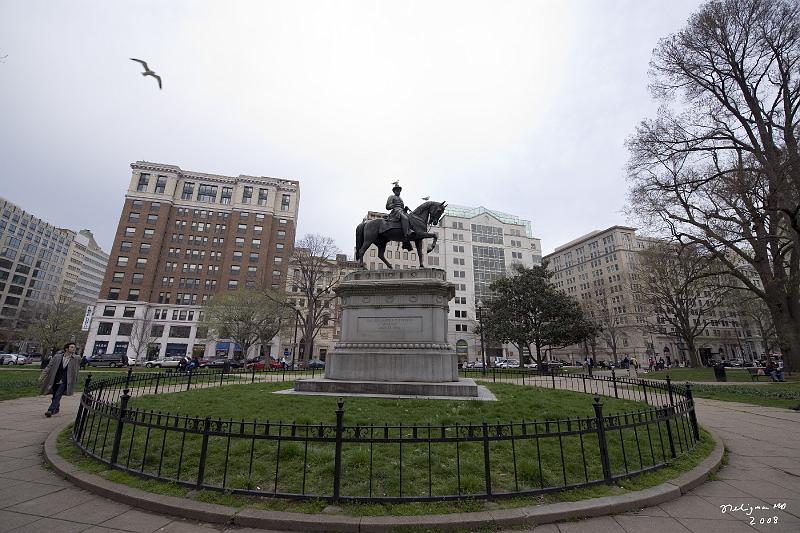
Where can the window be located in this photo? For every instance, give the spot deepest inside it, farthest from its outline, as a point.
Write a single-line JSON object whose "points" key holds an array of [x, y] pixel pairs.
{"points": [[161, 184], [281, 234], [133, 217], [125, 329], [278, 246], [113, 294], [251, 270], [99, 347], [141, 262], [276, 272], [262, 196], [133, 295], [235, 269], [256, 243], [239, 241], [285, 202], [254, 257], [144, 179], [130, 232], [227, 192], [461, 314], [232, 284], [188, 191], [157, 330], [122, 261], [125, 246], [181, 332], [207, 193], [461, 327], [151, 219], [257, 230], [155, 206], [117, 277], [144, 247], [247, 195], [241, 228], [148, 233], [104, 328], [109, 310], [137, 278]]}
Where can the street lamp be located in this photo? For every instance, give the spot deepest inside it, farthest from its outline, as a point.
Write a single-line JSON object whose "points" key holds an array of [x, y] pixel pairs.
{"points": [[483, 348], [294, 342]]}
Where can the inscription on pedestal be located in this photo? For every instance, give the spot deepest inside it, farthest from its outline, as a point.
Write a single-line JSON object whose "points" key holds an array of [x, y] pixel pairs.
{"points": [[389, 327]]}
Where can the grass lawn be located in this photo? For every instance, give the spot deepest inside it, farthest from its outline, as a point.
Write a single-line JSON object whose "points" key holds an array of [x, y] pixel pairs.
{"points": [[415, 468], [771, 395], [707, 374]]}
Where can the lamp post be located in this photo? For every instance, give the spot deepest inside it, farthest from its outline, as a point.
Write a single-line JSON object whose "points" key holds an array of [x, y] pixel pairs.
{"points": [[294, 341], [483, 348]]}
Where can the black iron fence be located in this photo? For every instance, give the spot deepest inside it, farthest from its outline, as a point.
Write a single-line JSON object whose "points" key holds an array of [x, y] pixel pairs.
{"points": [[389, 463]]}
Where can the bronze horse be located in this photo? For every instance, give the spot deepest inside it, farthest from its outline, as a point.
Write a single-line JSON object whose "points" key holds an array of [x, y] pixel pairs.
{"points": [[369, 232]]}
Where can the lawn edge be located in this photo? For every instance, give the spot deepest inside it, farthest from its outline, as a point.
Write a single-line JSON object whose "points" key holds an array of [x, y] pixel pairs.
{"points": [[280, 520]]}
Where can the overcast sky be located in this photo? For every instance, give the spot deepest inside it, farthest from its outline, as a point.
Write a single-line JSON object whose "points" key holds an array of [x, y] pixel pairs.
{"points": [[521, 107]]}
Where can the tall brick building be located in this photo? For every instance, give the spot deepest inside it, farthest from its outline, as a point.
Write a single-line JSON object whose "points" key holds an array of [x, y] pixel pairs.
{"points": [[183, 236]]}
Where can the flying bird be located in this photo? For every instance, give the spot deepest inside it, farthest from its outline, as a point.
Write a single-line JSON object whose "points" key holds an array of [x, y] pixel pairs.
{"points": [[147, 71], [426, 198]]}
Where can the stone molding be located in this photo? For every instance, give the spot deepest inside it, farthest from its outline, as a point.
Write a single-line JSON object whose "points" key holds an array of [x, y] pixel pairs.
{"points": [[394, 345]]}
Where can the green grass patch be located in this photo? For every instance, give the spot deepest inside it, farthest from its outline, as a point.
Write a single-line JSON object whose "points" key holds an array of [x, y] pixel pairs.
{"points": [[786, 395]]}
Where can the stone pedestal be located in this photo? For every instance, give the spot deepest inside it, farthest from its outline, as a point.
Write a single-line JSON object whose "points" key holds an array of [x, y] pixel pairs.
{"points": [[394, 337]]}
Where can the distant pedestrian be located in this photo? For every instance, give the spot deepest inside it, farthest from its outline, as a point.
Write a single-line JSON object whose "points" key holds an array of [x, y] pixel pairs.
{"points": [[60, 376]]}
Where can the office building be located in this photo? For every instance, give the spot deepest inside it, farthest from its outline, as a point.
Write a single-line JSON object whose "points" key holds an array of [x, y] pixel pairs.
{"points": [[183, 236], [599, 270], [84, 269]]}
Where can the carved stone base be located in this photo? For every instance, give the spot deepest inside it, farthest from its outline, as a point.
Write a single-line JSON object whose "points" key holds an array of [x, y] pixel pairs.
{"points": [[387, 365], [464, 388]]}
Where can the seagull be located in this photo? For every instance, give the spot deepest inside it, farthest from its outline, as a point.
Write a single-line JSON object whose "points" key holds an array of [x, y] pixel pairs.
{"points": [[2, 58], [147, 71], [426, 198]]}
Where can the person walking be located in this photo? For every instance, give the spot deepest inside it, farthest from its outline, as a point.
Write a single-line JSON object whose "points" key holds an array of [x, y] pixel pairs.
{"points": [[60, 376]]}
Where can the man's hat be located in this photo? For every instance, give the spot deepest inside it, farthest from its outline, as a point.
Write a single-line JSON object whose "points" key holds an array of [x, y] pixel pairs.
{"points": [[396, 185]]}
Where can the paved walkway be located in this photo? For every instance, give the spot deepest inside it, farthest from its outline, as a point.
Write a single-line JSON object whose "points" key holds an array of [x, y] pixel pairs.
{"points": [[764, 469]]}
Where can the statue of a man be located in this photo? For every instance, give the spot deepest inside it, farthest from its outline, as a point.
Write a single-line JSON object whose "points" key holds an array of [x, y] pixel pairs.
{"points": [[397, 210]]}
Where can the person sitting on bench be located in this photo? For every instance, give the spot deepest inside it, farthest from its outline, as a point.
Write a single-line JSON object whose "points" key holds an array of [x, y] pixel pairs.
{"points": [[773, 371]]}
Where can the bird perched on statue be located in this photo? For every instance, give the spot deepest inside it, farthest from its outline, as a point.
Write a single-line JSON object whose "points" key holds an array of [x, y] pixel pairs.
{"points": [[147, 71], [426, 198], [396, 183]]}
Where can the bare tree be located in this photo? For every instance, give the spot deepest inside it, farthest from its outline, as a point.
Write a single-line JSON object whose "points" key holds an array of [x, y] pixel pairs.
{"points": [[244, 316], [56, 323], [315, 272], [609, 324], [752, 309], [721, 169], [679, 288], [141, 336]]}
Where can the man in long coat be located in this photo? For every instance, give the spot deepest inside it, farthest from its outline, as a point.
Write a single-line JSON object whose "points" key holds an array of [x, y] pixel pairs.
{"points": [[60, 376]]}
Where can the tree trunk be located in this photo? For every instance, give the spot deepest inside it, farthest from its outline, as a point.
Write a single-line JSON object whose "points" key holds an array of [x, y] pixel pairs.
{"points": [[786, 317], [693, 356]]}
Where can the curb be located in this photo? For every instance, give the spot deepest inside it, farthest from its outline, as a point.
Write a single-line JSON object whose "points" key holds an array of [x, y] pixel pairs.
{"points": [[285, 521]]}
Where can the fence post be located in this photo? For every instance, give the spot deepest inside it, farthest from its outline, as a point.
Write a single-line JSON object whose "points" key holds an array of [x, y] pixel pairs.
{"points": [[601, 439], [253, 376], [201, 468], [487, 469], [337, 460], [614, 380], [494, 376], [158, 381], [692, 414], [669, 388], [667, 411], [221, 377], [128, 378], [553, 377], [644, 390], [189, 381], [583, 377], [81, 418], [123, 406]]}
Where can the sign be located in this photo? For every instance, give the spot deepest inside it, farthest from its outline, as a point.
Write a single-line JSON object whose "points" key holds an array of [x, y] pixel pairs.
{"points": [[286, 352], [87, 318]]}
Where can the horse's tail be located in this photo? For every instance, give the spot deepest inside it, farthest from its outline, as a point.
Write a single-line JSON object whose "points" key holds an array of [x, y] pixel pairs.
{"points": [[359, 240]]}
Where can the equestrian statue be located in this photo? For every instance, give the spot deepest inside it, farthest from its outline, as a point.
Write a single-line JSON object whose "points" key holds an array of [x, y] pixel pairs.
{"points": [[400, 225]]}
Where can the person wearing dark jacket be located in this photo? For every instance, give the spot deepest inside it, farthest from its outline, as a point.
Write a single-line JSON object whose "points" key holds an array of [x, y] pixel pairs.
{"points": [[60, 376]]}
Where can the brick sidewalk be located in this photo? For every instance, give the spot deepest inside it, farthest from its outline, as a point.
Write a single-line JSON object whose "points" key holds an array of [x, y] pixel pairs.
{"points": [[764, 467]]}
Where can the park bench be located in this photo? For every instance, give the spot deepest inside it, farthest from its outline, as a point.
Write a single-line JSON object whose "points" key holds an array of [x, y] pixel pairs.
{"points": [[755, 372]]}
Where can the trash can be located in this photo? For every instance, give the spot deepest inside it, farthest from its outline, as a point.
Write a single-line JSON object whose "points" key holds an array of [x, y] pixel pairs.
{"points": [[719, 372]]}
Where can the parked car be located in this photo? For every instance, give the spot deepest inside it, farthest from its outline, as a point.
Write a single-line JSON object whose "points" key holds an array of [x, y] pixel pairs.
{"points": [[261, 363], [14, 359], [530, 365], [512, 363], [220, 363], [316, 363], [106, 359], [173, 361]]}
